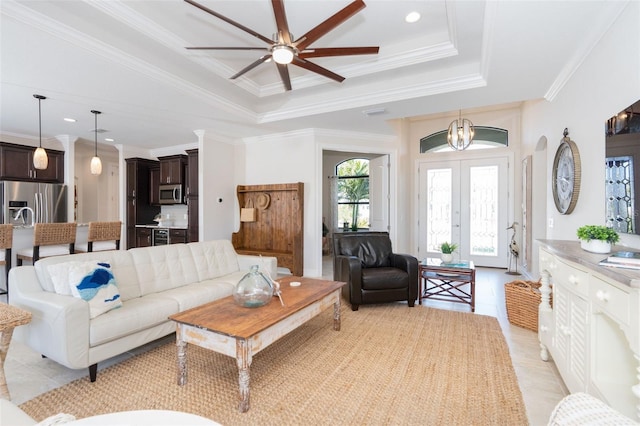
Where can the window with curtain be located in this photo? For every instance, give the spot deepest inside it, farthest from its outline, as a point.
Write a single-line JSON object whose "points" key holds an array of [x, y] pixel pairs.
{"points": [[353, 194]]}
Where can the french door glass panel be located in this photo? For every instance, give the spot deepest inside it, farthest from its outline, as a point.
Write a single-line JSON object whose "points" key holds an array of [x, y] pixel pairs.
{"points": [[465, 202], [440, 208], [483, 203]]}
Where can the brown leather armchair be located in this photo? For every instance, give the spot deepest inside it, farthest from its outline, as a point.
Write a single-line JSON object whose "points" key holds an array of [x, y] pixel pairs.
{"points": [[373, 273]]}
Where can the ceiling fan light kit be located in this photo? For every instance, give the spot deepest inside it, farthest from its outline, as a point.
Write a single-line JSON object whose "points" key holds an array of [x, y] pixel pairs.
{"points": [[284, 50], [282, 54], [40, 159], [460, 133]]}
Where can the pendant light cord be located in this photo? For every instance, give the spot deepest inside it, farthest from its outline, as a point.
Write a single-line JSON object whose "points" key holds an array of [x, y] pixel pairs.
{"points": [[95, 113], [95, 129], [40, 119]]}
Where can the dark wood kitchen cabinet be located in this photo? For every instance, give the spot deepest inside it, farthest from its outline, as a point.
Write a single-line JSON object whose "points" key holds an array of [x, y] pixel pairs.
{"points": [[172, 169], [16, 163], [143, 237], [177, 236], [193, 228], [139, 210], [154, 186]]}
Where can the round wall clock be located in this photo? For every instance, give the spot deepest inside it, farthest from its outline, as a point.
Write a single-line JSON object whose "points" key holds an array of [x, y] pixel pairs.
{"points": [[566, 175]]}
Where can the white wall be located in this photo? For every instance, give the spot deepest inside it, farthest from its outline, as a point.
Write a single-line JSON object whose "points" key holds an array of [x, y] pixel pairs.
{"points": [[505, 117], [607, 81], [216, 166], [297, 157], [93, 191]]}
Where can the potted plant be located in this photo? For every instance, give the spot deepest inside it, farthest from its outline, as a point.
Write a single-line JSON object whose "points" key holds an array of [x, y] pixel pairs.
{"points": [[597, 238], [447, 250]]}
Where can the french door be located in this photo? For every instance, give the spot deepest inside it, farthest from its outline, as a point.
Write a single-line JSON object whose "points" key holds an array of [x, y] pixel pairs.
{"points": [[465, 202]]}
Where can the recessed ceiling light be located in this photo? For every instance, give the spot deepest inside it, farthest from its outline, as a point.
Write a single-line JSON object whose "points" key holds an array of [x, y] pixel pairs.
{"points": [[70, 120], [412, 17], [108, 140]]}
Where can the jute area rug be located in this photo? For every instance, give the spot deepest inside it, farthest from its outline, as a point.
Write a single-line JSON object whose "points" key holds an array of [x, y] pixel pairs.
{"points": [[389, 364]]}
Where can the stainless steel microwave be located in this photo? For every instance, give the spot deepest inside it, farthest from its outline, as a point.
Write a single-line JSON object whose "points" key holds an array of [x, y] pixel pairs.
{"points": [[171, 194]]}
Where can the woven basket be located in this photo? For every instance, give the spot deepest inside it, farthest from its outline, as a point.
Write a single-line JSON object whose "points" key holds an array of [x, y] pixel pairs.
{"points": [[523, 300]]}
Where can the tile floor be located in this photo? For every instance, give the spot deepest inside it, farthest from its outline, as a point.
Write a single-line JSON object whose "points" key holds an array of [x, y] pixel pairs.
{"points": [[29, 375]]}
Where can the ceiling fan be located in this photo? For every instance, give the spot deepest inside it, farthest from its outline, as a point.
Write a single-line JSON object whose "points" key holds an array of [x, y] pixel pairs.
{"points": [[284, 50]]}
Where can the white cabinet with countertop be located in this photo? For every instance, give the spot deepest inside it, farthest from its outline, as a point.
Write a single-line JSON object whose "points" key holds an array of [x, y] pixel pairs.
{"points": [[592, 332]]}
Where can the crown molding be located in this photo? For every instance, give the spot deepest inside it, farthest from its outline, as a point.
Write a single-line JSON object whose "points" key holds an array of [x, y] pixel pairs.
{"points": [[580, 55], [173, 150], [315, 133], [470, 81], [42, 22], [123, 13], [381, 64], [490, 10]]}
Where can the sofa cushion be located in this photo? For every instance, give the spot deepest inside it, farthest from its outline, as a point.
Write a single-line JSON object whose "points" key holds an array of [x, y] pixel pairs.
{"points": [[198, 293], [384, 278], [372, 250], [134, 315], [162, 268], [214, 258], [122, 267]]}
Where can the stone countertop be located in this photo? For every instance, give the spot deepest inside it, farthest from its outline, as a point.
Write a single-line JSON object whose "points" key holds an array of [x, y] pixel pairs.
{"points": [[156, 226], [571, 251], [80, 225]]}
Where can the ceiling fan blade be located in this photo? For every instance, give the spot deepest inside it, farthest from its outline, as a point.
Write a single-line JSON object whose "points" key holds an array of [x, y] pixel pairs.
{"points": [[284, 35], [230, 21], [317, 69], [338, 51], [284, 75], [227, 48], [251, 66], [329, 24]]}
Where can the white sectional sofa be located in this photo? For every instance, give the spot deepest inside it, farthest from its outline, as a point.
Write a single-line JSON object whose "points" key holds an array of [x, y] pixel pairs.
{"points": [[152, 282]]}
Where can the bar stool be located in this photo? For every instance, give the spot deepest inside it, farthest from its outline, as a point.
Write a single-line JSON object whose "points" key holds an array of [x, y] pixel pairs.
{"points": [[49, 239], [102, 236], [6, 241]]}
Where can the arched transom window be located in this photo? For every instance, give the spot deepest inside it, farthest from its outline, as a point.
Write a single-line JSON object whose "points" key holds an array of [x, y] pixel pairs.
{"points": [[485, 137]]}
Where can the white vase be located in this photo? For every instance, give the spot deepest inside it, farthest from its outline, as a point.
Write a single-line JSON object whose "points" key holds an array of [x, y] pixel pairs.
{"points": [[596, 246], [447, 257]]}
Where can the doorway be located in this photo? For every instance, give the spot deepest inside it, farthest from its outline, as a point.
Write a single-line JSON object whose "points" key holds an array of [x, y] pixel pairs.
{"points": [[464, 202]]}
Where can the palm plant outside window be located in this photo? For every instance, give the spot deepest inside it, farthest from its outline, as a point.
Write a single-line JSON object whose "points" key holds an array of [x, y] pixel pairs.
{"points": [[353, 193]]}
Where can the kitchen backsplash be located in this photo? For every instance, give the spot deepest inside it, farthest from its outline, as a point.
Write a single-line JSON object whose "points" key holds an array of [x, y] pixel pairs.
{"points": [[177, 213]]}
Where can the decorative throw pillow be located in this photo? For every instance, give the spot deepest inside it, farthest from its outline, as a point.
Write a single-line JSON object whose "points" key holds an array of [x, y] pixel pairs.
{"points": [[59, 274], [90, 281]]}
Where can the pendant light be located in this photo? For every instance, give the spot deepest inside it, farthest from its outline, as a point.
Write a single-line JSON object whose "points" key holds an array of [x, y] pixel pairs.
{"points": [[460, 134], [40, 159], [96, 164]]}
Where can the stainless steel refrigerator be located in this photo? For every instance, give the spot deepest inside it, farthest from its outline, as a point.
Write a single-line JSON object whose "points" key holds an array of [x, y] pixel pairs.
{"points": [[47, 202]]}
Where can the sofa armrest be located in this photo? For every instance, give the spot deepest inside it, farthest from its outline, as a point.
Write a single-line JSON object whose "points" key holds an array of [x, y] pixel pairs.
{"points": [[267, 263], [59, 324], [409, 264], [350, 271]]}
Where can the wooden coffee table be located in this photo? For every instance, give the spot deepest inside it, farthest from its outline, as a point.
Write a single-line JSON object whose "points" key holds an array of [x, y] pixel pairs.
{"points": [[227, 328]]}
